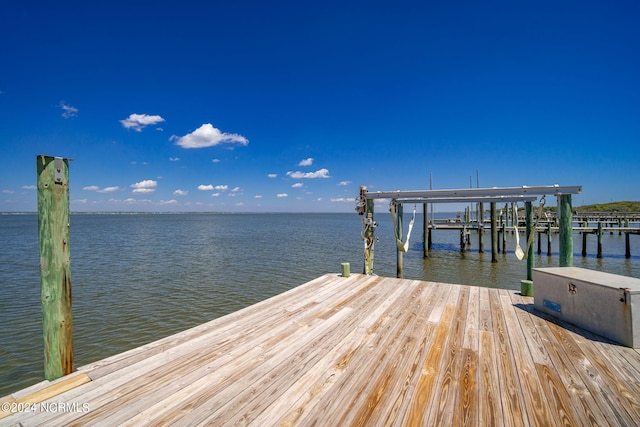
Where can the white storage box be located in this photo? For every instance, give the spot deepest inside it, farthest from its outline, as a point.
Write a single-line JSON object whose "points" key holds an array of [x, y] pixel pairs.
{"points": [[603, 303]]}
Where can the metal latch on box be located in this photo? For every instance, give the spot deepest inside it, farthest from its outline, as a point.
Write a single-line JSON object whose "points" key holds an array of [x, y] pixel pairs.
{"points": [[625, 295]]}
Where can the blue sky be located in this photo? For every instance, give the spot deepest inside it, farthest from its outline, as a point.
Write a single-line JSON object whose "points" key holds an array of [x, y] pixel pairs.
{"points": [[252, 106]]}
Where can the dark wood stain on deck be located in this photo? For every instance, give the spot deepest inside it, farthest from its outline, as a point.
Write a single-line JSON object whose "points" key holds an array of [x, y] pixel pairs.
{"points": [[359, 351]]}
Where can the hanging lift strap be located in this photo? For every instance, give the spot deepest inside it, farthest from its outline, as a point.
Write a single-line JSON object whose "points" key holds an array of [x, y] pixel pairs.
{"points": [[402, 247]]}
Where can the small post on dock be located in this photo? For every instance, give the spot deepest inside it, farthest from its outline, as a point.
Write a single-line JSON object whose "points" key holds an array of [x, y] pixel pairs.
{"points": [[494, 233], [565, 238], [55, 266]]}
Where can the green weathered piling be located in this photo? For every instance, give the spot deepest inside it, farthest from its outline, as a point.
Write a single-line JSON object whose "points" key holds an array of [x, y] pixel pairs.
{"points": [[565, 238], [494, 233], [55, 267], [399, 260], [529, 232]]}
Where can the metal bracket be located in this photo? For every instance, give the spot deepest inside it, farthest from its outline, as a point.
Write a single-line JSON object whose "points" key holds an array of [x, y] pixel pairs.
{"points": [[57, 176]]}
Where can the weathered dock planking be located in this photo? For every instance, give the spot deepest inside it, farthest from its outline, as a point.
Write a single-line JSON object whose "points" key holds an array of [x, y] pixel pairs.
{"points": [[362, 350]]}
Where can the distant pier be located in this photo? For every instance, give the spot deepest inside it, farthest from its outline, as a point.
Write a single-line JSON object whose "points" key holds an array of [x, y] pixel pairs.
{"points": [[591, 223]]}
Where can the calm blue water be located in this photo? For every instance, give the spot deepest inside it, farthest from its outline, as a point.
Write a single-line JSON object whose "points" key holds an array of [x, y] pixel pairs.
{"points": [[140, 277]]}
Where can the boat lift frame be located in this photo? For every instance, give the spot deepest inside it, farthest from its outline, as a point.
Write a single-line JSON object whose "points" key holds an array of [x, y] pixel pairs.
{"points": [[526, 194]]}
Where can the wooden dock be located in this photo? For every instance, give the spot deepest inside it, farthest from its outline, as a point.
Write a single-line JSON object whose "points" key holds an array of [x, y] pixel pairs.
{"points": [[363, 350]]}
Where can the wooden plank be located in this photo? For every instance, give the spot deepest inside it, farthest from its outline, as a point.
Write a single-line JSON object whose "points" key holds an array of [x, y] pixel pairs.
{"points": [[447, 408], [513, 408], [490, 403], [536, 404], [58, 387]]}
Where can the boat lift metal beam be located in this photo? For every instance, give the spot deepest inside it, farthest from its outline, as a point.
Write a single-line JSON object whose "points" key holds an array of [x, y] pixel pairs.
{"points": [[464, 193], [501, 199]]}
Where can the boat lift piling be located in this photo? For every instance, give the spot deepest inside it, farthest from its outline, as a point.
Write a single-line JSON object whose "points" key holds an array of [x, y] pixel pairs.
{"points": [[526, 194]]}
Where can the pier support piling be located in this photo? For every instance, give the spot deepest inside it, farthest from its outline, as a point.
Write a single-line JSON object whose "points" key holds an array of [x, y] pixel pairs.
{"points": [[599, 255], [399, 259], [530, 233], [55, 266], [565, 238], [494, 233]]}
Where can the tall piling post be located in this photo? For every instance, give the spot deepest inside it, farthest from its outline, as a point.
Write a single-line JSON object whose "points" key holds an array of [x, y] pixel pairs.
{"points": [[627, 245], [530, 232], [369, 236], [399, 259], [549, 239], [565, 238], [599, 254], [494, 233], [55, 266], [425, 230], [481, 227]]}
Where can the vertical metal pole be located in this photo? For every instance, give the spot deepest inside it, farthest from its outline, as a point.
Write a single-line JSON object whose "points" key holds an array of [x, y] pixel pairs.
{"points": [[55, 266], [399, 265], [566, 231], [529, 224]]}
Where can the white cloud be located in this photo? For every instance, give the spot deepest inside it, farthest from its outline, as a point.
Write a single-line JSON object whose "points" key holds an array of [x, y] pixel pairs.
{"points": [[68, 111], [216, 160], [29, 187], [180, 193], [236, 189], [215, 195], [146, 186], [257, 196], [344, 199], [104, 190], [208, 136], [297, 185], [344, 183], [281, 195], [306, 162], [169, 202], [109, 189], [222, 187], [272, 175], [174, 159], [202, 187], [322, 173], [138, 122], [8, 192]]}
